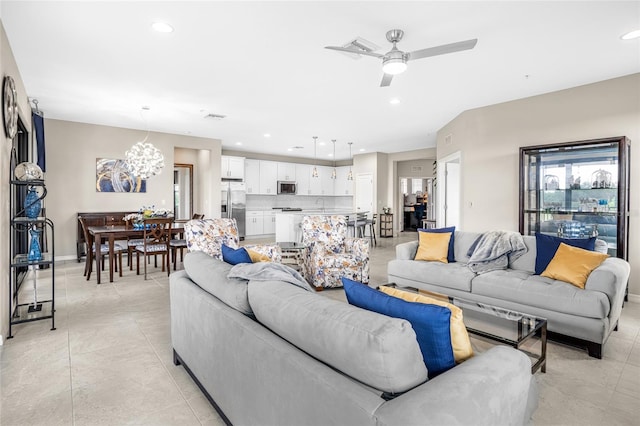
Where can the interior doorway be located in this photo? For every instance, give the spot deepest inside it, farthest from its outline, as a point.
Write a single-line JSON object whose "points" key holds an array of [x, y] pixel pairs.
{"points": [[449, 190], [417, 198], [182, 191]]}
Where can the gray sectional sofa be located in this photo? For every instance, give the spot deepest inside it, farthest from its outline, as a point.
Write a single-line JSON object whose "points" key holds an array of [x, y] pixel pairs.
{"points": [[583, 317], [272, 353]]}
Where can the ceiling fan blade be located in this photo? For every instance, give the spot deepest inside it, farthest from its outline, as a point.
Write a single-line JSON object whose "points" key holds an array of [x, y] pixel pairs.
{"points": [[443, 49], [355, 51], [386, 80]]}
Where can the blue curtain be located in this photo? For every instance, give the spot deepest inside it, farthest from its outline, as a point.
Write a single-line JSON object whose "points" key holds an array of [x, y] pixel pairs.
{"points": [[38, 124]]}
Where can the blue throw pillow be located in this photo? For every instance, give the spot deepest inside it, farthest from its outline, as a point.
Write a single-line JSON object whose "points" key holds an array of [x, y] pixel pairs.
{"points": [[547, 245], [450, 254], [431, 323], [234, 256]]}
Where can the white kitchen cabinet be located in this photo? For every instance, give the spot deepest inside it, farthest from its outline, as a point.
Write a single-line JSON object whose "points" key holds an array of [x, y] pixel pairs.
{"points": [[287, 171], [231, 167], [252, 176], [303, 178], [255, 223], [268, 177], [326, 183], [269, 222], [343, 186]]}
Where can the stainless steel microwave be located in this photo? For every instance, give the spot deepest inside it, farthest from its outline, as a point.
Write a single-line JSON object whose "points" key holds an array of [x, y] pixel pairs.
{"points": [[287, 187]]}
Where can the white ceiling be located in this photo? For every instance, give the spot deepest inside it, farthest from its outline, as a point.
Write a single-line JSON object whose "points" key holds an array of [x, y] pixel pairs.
{"points": [[263, 65]]}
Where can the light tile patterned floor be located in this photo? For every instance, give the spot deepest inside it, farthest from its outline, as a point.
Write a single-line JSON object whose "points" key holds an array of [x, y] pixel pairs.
{"points": [[109, 361]]}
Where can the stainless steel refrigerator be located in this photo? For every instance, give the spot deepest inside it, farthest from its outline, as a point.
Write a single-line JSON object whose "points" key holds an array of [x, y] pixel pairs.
{"points": [[234, 204]]}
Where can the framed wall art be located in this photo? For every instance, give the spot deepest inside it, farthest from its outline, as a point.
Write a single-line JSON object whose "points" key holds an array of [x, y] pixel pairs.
{"points": [[114, 176]]}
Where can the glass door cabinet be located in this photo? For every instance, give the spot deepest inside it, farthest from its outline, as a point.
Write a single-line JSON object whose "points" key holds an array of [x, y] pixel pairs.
{"points": [[577, 190]]}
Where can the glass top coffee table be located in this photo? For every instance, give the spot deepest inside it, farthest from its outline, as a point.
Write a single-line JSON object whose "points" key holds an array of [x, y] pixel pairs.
{"points": [[499, 325], [505, 326], [292, 254]]}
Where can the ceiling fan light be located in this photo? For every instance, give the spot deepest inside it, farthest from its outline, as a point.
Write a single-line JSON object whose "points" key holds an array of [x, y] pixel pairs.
{"points": [[631, 35], [394, 66], [162, 27]]}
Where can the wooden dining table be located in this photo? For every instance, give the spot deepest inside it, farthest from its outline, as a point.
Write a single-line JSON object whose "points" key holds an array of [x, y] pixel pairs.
{"points": [[113, 233]]}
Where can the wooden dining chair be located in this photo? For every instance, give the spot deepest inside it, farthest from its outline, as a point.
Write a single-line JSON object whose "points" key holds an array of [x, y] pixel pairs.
{"points": [[104, 250], [157, 237], [132, 243], [180, 244]]}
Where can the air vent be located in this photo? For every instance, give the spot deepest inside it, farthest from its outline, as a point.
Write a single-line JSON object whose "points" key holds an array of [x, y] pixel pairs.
{"points": [[448, 139], [298, 147], [359, 44], [215, 116]]}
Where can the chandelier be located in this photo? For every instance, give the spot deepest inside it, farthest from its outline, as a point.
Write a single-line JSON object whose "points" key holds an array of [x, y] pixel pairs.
{"points": [[143, 159]]}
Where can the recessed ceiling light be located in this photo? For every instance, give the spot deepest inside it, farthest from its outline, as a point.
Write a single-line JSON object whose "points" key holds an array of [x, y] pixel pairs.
{"points": [[362, 149], [162, 27], [321, 143], [330, 155], [394, 101], [289, 149], [267, 135], [238, 143], [631, 35]]}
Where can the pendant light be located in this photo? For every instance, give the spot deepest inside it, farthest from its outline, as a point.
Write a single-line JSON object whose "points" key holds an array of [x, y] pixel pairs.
{"points": [[334, 173], [314, 173], [350, 175]]}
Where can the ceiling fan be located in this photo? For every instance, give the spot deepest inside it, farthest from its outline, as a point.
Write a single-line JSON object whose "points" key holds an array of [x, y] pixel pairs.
{"points": [[395, 61]]}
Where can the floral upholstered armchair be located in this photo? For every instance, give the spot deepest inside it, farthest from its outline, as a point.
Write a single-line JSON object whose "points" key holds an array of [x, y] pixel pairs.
{"points": [[330, 254], [208, 235]]}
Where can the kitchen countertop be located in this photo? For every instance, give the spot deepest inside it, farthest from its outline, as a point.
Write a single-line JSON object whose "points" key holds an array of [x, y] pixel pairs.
{"points": [[325, 212]]}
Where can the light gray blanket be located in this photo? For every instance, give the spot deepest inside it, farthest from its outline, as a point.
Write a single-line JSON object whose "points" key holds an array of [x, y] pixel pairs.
{"points": [[493, 250], [269, 271]]}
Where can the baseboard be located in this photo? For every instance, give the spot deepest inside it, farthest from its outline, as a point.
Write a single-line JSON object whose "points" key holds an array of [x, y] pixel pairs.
{"points": [[67, 257], [634, 298]]}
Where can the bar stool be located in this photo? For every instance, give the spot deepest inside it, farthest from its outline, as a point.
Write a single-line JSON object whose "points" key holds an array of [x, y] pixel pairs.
{"points": [[371, 224]]}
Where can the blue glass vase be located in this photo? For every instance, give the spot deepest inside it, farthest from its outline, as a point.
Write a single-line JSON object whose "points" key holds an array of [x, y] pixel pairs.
{"points": [[35, 252], [32, 204]]}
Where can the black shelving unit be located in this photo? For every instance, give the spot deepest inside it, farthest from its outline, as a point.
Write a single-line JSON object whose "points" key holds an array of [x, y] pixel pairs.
{"points": [[386, 225], [23, 271], [577, 190]]}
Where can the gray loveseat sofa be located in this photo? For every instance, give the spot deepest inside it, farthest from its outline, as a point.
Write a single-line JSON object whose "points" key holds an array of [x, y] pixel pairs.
{"points": [[584, 317], [272, 353]]}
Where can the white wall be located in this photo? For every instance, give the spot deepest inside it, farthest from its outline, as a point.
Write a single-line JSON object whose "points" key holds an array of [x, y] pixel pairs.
{"points": [[489, 139], [71, 184], [8, 67]]}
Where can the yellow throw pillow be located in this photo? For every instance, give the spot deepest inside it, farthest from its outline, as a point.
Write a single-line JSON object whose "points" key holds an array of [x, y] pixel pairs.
{"points": [[460, 342], [257, 257], [433, 246], [573, 264]]}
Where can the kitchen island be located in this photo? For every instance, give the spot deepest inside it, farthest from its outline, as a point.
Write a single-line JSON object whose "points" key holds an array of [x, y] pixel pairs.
{"points": [[288, 224]]}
